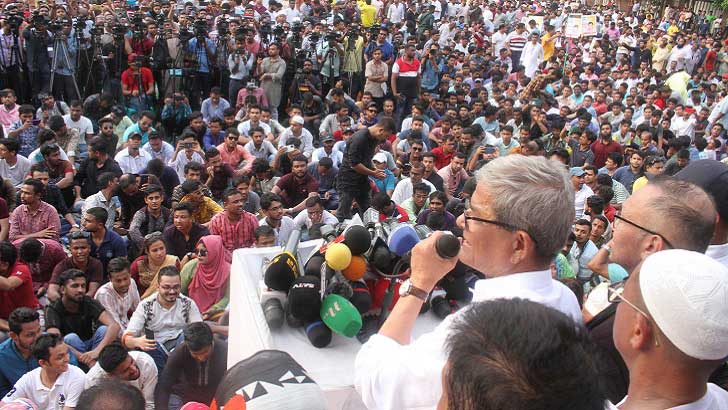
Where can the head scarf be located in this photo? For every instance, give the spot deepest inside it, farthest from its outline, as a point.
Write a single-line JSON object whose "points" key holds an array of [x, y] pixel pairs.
{"points": [[209, 282]]}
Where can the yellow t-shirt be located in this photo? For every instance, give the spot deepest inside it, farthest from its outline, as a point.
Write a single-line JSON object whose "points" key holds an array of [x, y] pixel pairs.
{"points": [[368, 14], [639, 184], [548, 46], [672, 30]]}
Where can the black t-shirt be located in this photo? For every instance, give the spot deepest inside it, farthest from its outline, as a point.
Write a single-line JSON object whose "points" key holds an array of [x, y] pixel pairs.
{"points": [[359, 150], [83, 323]]}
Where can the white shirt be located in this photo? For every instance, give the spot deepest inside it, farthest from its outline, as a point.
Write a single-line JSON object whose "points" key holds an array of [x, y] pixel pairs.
{"points": [[302, 219], [393, 376], [719, 253], [117, 305], [283, 231], [132, 165], [83, 125], [64, 393], [715, 399], [98, 199], [580, 197], [395, 12], [244, 128], [165, 154], [182, 160], [336, 156], [167, 324], [305, 137], [403, 190], [16, 173], [146, 382]]}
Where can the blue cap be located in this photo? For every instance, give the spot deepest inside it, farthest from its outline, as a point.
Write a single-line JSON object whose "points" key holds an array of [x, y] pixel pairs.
{"points": [[577, 172]]}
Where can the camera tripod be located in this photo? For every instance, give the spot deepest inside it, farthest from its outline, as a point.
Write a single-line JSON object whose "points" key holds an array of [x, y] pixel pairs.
{"points": [[59, 43], [12, 64]]}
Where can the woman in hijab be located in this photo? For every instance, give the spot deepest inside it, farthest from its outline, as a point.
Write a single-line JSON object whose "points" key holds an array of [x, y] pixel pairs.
{"points": [[145, 268], [205, 278]]}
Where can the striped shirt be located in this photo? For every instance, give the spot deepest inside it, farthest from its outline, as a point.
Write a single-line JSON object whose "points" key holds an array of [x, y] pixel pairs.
{"points": [[22, 222], [235, 235], [517, 41]]}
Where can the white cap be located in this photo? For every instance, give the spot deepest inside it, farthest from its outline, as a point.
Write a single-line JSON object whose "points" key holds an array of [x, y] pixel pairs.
{"points": [[379, 157], [297, 119], [686, 293]]}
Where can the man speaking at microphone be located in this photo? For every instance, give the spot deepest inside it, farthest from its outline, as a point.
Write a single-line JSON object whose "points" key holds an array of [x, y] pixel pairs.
{"points": [[517, 221]]}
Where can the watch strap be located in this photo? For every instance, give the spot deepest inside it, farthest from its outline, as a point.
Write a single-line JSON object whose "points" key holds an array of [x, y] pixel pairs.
{"points": [[417, 292]]}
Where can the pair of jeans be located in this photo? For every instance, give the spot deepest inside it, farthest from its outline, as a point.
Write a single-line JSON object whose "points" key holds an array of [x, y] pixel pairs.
{"points": [[347, 197], [83, 346], [161, 352]]}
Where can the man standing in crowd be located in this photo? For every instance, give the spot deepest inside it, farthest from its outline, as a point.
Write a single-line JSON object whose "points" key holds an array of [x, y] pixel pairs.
{"points": [[352, 181]]}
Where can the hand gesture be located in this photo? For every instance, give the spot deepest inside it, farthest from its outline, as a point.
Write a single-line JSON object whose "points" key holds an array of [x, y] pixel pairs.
{"points": [[145, 344], [379, 174]]}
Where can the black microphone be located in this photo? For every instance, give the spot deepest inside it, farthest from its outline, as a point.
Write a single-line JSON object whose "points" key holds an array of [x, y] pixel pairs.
{"points": [[284, 269], [404, 237]]}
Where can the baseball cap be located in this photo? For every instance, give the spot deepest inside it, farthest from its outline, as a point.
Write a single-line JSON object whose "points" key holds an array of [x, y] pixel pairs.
{"points": [[380, 157], [685, 293], [577, 172], [328, 138]]}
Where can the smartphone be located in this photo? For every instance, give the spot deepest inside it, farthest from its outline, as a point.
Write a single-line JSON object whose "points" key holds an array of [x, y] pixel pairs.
{"points": [[188, 145], [144, 178], [290, 148], [36, 121], [148, 334], [489, 150]]}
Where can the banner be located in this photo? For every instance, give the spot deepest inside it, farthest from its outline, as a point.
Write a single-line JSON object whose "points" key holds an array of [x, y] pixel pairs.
{"points": [[589, 25], [573, 26], [537, 19]]}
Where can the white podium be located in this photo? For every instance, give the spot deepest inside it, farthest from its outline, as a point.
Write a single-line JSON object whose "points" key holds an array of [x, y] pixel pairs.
{"points": [[331, 367]]}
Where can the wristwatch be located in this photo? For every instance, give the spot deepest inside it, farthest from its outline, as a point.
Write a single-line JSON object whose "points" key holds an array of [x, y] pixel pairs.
{"points": [[407, 288]]}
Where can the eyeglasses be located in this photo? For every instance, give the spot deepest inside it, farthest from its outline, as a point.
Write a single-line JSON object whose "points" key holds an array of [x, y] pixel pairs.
{"points": [[372, 110], [416, 149], [640, 227], [506, 226], [615, 293]]}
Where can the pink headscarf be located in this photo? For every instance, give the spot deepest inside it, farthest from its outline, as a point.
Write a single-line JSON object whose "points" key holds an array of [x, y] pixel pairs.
{"points": [[209, 282]]}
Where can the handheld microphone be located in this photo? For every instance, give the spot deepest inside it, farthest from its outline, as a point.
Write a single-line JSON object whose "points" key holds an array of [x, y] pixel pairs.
{"points": [[358, 239], [284, 269], [341, 316], [318, 334], [272, 302], [304, 298], [404, 237]]}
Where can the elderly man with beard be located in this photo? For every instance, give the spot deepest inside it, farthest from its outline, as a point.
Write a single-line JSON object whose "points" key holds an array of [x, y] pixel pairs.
{"points": [[666, 214], [512, 229], [134, 368]]}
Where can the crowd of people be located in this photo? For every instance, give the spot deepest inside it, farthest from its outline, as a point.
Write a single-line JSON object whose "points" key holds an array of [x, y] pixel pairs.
{"points": [[144, 141]]}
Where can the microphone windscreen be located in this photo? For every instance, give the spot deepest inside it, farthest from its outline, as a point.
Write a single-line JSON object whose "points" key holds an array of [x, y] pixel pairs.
{"points": [[318, 334], [358, 240], [361, 298], [340, 316], [273, 313], [381, 258], [292, 321], [356, 269], [281, 272], [341, 288], [338, 256], [402, 239], [304, 298], [313, 266], [447, 246]]}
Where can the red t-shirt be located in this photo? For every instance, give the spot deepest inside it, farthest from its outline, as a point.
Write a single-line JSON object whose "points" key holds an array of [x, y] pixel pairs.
{"points": [[441, 158], [22, 296], [130, 79], [294, 192], [602, 151], [710, 57]]}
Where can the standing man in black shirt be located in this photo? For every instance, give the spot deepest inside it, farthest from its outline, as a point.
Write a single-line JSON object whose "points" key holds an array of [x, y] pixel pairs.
{"points": [[88, 173], [352, 181]]}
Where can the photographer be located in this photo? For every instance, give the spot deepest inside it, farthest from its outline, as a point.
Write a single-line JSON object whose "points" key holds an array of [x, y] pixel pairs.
{"points": [[240, 63], [37, 40], [64, 58], [353, 60], [11, 59], [175, 113], [380, 42], [137, 84], [203, 50], [329, 58], [305, 81], [140, 41]]}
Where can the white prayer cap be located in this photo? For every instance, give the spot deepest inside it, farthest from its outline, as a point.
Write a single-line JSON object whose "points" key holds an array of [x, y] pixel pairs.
{"points": [[686, 293]]}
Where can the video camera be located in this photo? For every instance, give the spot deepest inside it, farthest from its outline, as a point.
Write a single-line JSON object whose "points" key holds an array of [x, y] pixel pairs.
{"points": [[200, 28], [331, 36], [223, 27]]}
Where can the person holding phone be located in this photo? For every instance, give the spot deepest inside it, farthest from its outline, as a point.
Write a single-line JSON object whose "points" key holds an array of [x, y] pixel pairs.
{"points": [[188, 150], [482, 155]]}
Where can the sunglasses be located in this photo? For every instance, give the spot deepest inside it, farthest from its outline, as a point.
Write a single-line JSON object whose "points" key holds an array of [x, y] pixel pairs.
{"points": [[79, 235], [201, 252]]}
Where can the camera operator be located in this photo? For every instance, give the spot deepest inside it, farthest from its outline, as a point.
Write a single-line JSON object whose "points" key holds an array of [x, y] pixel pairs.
{"points": [[139, 41], [305, 81], [240, 63], [311, 41], [385, 46], [203, 50], [11, 45], [64, 52], [37, 40], [137, 84], [329, 57], [353, 60]]}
